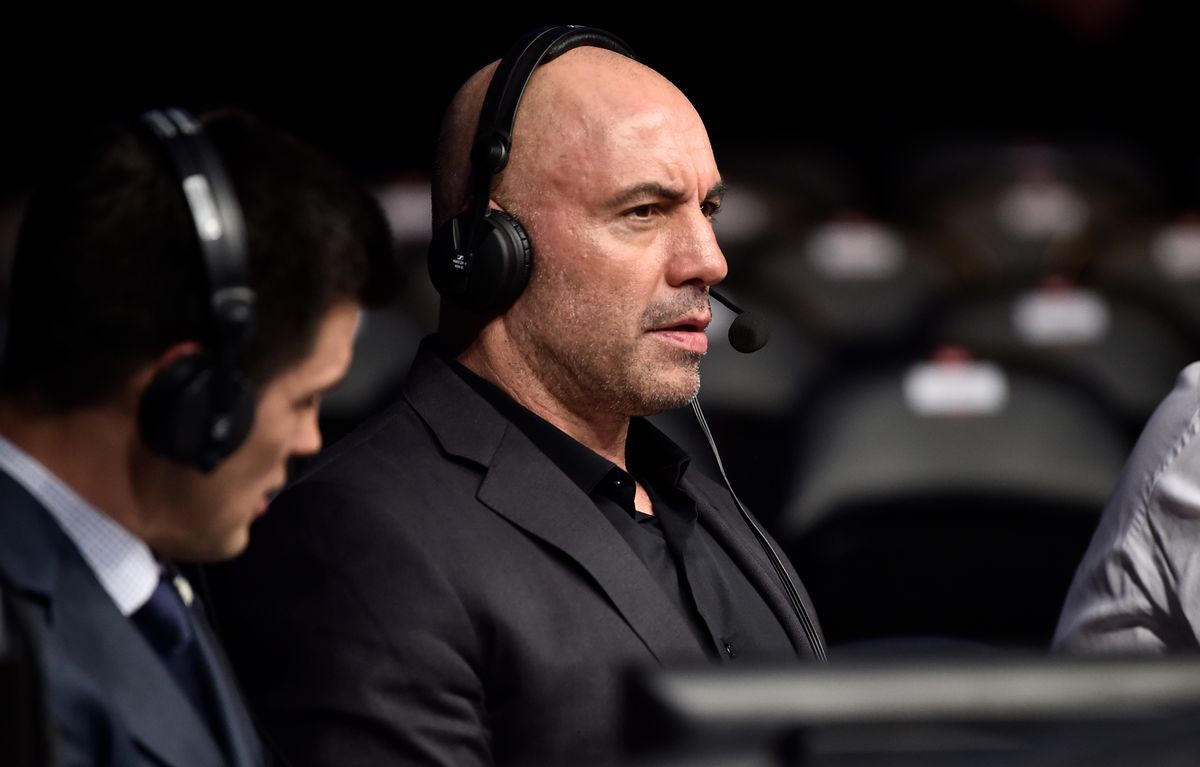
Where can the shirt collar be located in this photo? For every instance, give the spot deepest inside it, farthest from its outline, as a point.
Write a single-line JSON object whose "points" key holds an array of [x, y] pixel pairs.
{"points": [[648, 452], [120, 560], [654, 453]]}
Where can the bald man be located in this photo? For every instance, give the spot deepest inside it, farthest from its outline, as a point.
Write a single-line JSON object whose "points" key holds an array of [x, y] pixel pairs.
{"points": [[466, 580]]}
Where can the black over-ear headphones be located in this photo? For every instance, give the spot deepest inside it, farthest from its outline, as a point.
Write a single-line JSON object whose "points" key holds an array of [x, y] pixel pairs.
{"points": [[201, 407], [481, 259]]}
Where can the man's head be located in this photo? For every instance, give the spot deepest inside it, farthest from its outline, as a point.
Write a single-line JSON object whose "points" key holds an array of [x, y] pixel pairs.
{"points": [[109, 289], [612, 176]]}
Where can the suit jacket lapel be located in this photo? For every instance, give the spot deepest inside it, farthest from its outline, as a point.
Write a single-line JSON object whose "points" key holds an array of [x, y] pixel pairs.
{"points": [[30, 541], [85, 629], [557, 511], [551, 508], [93, 633], [732, 533], [242, 738]]}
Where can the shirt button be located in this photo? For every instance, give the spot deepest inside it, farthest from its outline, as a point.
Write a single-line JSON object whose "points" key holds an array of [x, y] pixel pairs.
{"points": [[729, 651]]}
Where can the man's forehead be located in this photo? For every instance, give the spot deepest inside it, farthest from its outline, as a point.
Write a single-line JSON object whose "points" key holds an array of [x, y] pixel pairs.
{"points": [[653, 146]]}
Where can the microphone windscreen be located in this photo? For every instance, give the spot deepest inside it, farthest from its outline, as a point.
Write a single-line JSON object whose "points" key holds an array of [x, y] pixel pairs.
{"points": [[749, 332]]}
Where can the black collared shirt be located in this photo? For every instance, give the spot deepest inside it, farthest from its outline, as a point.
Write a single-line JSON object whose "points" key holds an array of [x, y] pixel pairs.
{"points": [[725, 612]]}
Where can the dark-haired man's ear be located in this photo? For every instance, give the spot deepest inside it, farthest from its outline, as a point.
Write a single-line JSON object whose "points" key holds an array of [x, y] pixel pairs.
{"points": [[145, 374]]}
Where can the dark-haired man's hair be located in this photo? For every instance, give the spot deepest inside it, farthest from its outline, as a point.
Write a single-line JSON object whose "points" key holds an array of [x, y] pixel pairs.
{"points": [[107, 273]]}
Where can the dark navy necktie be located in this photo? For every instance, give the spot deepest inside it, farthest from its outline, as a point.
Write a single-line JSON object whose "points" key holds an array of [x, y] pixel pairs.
{"points": [[165, 622]]}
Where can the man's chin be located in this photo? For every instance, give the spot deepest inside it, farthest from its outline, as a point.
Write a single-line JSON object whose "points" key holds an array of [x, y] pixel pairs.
{"points": [[668, 395], [215, 549], [232, 546]]}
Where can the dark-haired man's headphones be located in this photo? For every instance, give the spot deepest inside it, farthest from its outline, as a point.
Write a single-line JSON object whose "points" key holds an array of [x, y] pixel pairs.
{"points": [[201, 407], [481, 259]]}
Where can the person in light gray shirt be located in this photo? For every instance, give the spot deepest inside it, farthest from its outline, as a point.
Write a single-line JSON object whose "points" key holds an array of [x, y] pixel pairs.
{"points": [[1137, 589]]}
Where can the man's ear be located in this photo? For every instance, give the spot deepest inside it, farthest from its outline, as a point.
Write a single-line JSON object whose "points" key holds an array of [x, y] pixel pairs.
{"points": [[174, 352], [140, 381]]}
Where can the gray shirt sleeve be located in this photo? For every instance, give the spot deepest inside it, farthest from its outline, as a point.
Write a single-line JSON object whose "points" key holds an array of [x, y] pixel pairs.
{"points": [[1137, 589]]}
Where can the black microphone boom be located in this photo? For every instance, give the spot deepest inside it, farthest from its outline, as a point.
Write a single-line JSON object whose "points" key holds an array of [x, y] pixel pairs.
{"points": [[749, 331]]}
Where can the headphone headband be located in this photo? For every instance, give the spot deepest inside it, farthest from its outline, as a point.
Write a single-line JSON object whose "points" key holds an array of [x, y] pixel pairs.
{"points": [[200, 409], [498, 115], [481, 259], [540, 46], [220, 230]]}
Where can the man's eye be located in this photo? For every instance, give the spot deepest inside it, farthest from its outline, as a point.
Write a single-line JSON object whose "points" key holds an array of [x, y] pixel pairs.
{"points": [[710, 208], [641, 211]]}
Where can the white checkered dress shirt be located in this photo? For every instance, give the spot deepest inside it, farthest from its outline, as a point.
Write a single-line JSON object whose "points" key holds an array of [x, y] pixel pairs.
{"points": [[122, 563]]}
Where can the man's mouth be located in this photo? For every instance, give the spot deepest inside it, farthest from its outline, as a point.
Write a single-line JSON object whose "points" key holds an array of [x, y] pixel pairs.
{"points": [[686, 333], [269, 496], [695, 324]]}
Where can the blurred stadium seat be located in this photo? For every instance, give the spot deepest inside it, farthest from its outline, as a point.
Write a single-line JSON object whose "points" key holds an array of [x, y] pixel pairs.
{"points": [[948, 499]]}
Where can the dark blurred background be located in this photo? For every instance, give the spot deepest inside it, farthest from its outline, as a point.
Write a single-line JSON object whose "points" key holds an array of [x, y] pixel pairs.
{"points": [[870, 83], [969, 222]]}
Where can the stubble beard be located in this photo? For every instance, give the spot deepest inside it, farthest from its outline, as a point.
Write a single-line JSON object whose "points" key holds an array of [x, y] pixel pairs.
{"points": [[583, 355]]}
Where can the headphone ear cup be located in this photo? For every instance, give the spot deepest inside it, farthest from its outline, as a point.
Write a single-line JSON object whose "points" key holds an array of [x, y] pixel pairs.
{"points": [[179, 416], [499, 266]]}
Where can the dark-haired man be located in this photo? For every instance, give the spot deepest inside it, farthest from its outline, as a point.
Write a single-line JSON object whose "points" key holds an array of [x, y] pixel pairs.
{"points": [[182, 294]]}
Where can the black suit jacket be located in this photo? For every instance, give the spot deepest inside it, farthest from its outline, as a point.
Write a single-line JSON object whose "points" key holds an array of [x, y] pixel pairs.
{"points": [[112, 700], [437, 592]]}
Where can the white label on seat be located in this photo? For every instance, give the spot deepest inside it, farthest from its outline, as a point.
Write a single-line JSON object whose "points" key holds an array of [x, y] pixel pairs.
{"points": [[1061, 316], [855, 250], [955, 388], [1041, 209], [1176, 251]]}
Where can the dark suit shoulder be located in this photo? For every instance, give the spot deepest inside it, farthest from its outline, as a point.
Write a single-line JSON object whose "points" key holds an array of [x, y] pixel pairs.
{"points": [[350, 591]]}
